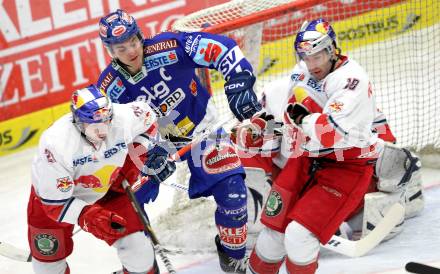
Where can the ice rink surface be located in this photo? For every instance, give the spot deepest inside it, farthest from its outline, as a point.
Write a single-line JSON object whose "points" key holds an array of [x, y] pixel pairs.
{"points": [[420, 240]]}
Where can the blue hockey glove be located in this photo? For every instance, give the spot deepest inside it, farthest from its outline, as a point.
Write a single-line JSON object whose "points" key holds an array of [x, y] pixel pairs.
{"points": [[241, 96], [157, 166], [148, 192]]}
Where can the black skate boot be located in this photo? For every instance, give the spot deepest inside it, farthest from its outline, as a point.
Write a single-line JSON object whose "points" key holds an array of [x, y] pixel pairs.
{"points": [[228, 264]]}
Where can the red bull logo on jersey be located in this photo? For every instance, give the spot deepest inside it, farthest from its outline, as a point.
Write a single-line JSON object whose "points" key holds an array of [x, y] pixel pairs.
{"points": [[64, 184]]}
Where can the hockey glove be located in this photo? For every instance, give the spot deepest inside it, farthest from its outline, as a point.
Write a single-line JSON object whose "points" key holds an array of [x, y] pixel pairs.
{"points": [[102, 223], [241, 96], [158, 168], [296, 113], [252, 133]]}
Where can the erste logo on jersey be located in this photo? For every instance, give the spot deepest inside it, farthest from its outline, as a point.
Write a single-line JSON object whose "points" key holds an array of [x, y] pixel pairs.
{"points": [[115, 89], [162, 59], [232, 59], [209, 52]]}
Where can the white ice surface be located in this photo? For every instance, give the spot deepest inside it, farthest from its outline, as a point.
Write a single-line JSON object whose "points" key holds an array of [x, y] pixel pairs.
{"points": [[420, 241]]}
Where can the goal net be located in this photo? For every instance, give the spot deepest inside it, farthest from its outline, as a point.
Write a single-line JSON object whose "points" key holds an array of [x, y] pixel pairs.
{"points": [[394, 40]]}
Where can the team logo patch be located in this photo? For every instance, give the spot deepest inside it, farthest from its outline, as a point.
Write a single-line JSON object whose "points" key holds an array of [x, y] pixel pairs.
{"points": [[209, 52], [111, 18], [64, 184], [171, 102], [274, 204], [193, 87], [118, 31], [115, 89], [159, 60], [107, 79], [46, 244], [103, 30], [220, 158], [161, 46], [233, 237], [336, 106]]}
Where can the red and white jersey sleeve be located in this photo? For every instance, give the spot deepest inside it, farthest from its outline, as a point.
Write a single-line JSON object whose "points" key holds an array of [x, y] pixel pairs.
{"points": [[348, 114], [68, 173]]}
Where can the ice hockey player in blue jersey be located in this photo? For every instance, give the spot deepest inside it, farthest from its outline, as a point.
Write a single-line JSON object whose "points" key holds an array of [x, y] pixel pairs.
{"points": [[162, 71]]}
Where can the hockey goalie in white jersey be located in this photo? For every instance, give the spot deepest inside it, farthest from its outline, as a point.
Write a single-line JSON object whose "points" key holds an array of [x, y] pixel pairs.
{"points": [[306, 104], [76, 180]]}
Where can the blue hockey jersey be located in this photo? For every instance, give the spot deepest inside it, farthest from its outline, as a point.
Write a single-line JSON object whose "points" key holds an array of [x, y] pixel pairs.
{"points": [[168, 80]]}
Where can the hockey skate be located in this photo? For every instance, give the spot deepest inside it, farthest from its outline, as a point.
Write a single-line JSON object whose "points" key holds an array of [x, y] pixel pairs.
{"points": [[228, 264]]}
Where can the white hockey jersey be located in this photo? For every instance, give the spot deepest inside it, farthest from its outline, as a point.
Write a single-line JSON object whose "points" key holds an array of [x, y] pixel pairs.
{"points": [[68, 173], [349, 116]]}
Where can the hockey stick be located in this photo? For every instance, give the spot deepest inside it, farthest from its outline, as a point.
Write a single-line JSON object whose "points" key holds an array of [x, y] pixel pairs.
{"points": [[347, 247], [364, 245], [419, 268], [147, 227], [15, 253]]}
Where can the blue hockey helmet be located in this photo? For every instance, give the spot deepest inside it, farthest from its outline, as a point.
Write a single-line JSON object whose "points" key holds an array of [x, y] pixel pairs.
{"points": [[117, 27], [313, 37], [90, 105]]}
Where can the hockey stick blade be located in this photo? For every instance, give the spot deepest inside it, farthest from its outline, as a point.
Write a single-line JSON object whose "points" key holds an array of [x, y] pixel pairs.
{"points": [[419, 268], [14, 253], [364, 245]]}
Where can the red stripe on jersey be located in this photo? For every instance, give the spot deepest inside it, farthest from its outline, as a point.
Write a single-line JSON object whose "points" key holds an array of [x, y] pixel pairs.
{"points": [[326, 132]]}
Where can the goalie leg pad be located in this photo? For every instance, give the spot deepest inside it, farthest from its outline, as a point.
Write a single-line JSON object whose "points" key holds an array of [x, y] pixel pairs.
{"points": [[231, 215], [395, 167], [258, 188], [58, 267], [376, 205], [135, 252], [414, 198]]}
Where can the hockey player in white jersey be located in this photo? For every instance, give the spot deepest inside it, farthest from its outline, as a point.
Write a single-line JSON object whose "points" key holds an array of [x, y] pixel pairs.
{"points": [[76, 180], [332, 144]]}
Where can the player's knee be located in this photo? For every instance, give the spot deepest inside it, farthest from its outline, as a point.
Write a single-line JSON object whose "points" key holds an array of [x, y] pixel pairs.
{"points": [[301, 245], [231, 198], [58, 267], [270, 244], [135, 252]]}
